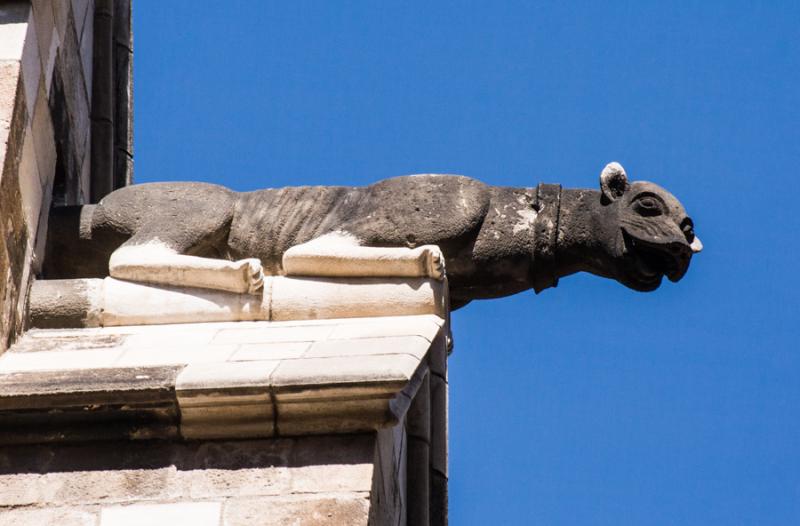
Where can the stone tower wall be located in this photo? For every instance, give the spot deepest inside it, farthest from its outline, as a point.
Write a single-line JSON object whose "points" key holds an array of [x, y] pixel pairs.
{"points": [[50, 75]]}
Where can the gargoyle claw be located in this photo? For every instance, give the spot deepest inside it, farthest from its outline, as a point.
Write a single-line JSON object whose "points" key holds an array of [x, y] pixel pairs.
{"points": [[433, 261], [252, 274]]}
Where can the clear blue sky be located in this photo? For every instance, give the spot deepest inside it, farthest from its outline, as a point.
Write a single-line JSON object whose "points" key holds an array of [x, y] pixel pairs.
{"points": [[589, 404]]}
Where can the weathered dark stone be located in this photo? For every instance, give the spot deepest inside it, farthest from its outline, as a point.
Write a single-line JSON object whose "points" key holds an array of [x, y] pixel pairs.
{"points": [[496, 240], [13, 230], [89, 404]]}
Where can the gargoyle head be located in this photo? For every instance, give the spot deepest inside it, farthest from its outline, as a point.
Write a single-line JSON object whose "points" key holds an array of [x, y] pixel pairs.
{"points": [[651, 234]]}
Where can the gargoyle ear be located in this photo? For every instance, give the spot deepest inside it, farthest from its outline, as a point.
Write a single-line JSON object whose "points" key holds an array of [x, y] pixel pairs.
{"points": [[613, 181]]}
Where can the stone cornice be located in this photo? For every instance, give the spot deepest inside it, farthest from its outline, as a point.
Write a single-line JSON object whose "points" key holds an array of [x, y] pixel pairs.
{"points": [[216, 380]]}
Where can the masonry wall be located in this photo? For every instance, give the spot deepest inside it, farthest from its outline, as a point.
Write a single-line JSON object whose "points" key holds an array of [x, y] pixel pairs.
{"points": [[333, 480], [47, 60]]}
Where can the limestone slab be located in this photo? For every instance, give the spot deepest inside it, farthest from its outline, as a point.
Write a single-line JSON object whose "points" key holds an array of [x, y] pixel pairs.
{"points": [[270, 351], [13, 27], [31, 66], [194, 513], [215, 380], [335, 510], [416, 346]]}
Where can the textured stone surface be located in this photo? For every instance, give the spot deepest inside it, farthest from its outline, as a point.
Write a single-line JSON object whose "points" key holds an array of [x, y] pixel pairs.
{"points": [[495, 241], [45, 516], [303, 511], [325, 480], [142, 378]]}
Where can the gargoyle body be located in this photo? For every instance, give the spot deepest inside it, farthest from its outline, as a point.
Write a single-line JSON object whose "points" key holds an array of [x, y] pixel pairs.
{"points": [[492, 241]]}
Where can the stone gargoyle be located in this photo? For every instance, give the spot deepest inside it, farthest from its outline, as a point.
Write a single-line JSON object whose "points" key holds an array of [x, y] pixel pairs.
{"points": [[493, 241]]}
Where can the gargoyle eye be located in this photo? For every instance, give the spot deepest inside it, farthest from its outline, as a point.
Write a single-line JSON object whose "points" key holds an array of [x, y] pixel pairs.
{"points": [[688, 229], [648, 206]]}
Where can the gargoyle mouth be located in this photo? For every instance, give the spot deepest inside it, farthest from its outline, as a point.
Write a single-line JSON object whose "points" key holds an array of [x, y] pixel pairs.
{"points": [[645, 263]]}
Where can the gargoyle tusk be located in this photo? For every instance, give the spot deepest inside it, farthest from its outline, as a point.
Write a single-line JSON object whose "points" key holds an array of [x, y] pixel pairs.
{"points": [[696, 245]]}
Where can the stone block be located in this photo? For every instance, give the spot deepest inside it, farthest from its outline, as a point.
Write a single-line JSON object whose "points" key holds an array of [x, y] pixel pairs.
{"points": [[394, 369], [107, 486], [58, 360], [85, 32], [266, 333], [9, 79], [30, 185], [82, 11], [193, 513], [226, 400], [46, 34], [44, 516], [270, 351], [14, 18], [416, 346], [31, 66], [43, 137], [426, 326], [352, 510], [218, 483], [61, 11], [220, 376], [173, 353]]}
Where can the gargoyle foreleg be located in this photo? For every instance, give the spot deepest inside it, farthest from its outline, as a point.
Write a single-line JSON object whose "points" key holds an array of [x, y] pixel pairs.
{"points": [[341, 255], [148, 259]]}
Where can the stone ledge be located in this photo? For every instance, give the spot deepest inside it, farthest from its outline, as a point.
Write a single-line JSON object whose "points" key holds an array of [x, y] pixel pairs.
{"points": [[213, 380]]}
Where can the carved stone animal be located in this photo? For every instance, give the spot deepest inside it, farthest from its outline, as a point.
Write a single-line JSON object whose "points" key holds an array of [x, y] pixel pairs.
{"points": [[493, 241]]}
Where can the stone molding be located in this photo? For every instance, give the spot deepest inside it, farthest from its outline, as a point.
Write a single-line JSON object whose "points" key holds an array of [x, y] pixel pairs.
{"points": [[112, 302], [216, 380]]}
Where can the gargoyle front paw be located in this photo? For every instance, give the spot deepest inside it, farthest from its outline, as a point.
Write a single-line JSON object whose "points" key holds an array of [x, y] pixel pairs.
{"points": [[251, 273], [433, 261]]}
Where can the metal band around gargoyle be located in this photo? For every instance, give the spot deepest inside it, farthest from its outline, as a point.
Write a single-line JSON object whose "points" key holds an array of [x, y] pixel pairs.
{"points": [[548, 207]]}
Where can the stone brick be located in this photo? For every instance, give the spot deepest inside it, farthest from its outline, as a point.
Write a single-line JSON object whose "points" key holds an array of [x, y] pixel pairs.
{"points": [[270, 351], [45, 516], [416, 346], [396, 368], [81, 10], [351, 510], [426, 326], [47, 36], [85, 32], [13, 27], [61, 11], [43, 137], [30, 185], [62, 360], [214, 483], [108, 486], [169, 353], [225, 375], [266, 333], [193, 513], [31, 66]]}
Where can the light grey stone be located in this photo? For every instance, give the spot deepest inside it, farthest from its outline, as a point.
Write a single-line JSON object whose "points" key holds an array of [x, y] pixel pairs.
{"points": [[31, 66], [85, 31], [58, 360], [416, 346], [43, 137], [426, 326], [174, 353], [190, 513], [266, 333], [351, 510], [30, 186], [270, 351], [14, 18], [49, 516]]}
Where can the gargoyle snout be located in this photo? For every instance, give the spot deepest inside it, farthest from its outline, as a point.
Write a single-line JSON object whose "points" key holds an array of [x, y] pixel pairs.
{"points": [[696, 246]]}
